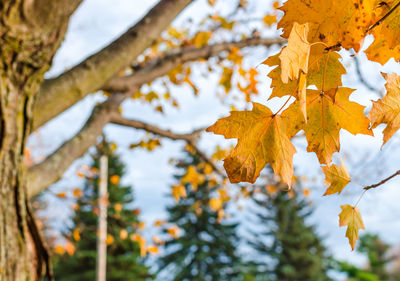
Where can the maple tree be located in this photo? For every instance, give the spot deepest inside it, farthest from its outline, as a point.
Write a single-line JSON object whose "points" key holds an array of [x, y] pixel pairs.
{"points": [[149, 60]]}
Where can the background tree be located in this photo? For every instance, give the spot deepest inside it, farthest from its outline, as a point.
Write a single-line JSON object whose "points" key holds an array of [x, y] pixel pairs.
{"points": [[123, 254], [287, 247], [379, 259], [207, 247]]}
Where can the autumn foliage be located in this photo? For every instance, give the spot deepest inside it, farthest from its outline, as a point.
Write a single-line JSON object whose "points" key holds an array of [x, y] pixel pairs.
{"points": [[307, 78]]}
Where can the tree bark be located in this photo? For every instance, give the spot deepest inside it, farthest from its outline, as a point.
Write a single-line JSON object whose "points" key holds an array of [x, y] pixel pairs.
{"points": [[27, 46]]}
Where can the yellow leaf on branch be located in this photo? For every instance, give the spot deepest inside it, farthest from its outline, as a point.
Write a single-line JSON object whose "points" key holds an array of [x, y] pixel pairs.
{"points": [[387, 109], [331, 22], [263, 137], [294, 57], [178, 192], [215, 204], [336, 177], [386, 43], [327, 114], [351, 217]]}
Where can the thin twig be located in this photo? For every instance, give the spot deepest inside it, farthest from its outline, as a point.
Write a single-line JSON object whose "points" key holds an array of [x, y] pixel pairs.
{"points": [[370, 28], [361, 76], [383, 18], [382, 181]]}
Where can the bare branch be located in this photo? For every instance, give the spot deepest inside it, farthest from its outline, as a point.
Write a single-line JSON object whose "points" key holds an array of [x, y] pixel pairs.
{"points": [[161, 66], [361, 76], [50, 170], [382, 181], [119, 120], [60, 93], [190, 138]]}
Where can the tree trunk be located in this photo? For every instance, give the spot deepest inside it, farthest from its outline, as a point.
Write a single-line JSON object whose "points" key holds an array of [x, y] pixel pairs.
{"points": [[27, 46]]}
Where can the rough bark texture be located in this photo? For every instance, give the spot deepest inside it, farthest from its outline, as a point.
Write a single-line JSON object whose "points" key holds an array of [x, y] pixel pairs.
{"points": [[27, 46]]}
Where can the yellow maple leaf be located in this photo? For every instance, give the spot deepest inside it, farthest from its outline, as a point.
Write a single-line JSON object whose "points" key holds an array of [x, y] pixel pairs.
{"points": [[215, 204], [269, 19], [152, 249], [76, 234], [114, 179], [331, 22], [159, 223], [324, 71], [123, 234], [336, 177], [61, 195], [263, 137], [351, 217], [59, 250], [386, 43], [294, 57], [77, 192], [173, 231], [109, 239], [201, 39], [387, 109], [192, 177], [178, 192], [118, 207], [327, 114]]}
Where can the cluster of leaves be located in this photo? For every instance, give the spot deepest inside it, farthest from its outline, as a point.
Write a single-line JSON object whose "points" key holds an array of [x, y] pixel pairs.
{"points": [[308, 70]]}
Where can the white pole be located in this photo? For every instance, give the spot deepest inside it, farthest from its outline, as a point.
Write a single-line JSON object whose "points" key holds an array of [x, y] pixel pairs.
{"points": [[102, 223]]}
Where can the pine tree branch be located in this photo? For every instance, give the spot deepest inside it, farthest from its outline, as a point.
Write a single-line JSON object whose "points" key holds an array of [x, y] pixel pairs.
{"points": [[60, 93]]}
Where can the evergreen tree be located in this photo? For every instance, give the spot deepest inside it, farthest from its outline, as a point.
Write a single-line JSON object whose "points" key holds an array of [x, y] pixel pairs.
{"points": [[123, 258], [206, 250], [287, 248], [377, 252]]}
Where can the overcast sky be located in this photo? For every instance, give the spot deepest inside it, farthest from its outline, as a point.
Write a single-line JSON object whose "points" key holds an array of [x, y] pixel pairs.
{"points": [[97, 22]]}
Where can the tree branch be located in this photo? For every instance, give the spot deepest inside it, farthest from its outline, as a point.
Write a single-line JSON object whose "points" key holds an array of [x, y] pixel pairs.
{"points": [[50, 170], [189, 138], [382, 181], [161, 66], [60, 93], [361, 76], [145, 74], [119, 120]]}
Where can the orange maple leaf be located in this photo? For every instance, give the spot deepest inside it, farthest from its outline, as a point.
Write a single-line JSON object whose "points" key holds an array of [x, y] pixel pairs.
{"points": [[386, 43], [263, 138], [331, 22]]}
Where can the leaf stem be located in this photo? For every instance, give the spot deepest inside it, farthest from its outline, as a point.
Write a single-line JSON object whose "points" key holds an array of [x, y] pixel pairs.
{"points": [[359, 199], [283, 106]]}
